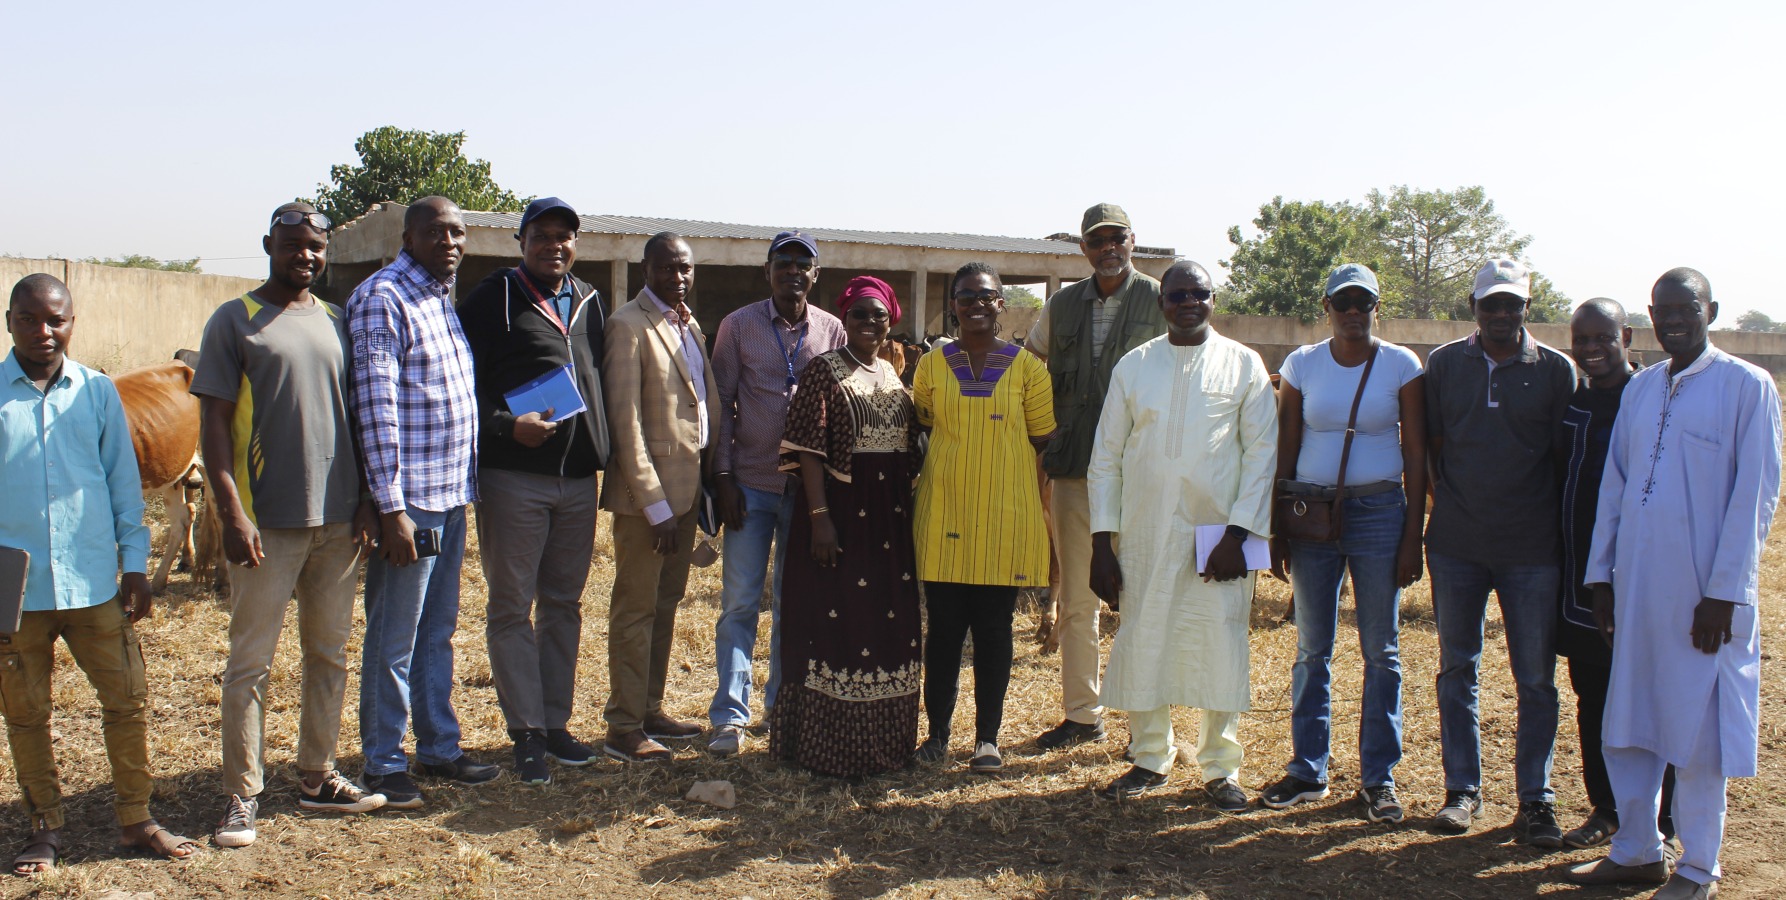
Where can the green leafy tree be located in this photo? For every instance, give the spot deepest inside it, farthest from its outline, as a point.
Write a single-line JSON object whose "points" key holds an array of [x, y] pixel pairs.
{"points": [[1756, 320], [1019, 297], [1548, 303], [139, 261], [1640, 322], [1430, 244], [1282, 271], [400, 166]]}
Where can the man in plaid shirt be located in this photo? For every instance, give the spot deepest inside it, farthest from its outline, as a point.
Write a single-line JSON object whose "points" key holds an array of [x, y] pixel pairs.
{"points": [[416, 413]]}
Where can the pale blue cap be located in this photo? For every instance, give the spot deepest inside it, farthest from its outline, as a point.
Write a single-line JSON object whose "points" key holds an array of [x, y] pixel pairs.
{"points": [[1352, 275]]}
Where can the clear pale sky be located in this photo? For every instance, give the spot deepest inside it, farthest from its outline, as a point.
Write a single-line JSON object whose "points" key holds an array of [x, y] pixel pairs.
{"points": [[1625, 138]]}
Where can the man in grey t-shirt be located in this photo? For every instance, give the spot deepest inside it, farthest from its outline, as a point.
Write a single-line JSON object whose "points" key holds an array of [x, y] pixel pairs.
{"points": [[272, 389], [1493, 401]]}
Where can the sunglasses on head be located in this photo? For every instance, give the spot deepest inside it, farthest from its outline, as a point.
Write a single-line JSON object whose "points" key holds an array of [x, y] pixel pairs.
{"points": [[1200, 295], [1353, 302], [315, 220]]}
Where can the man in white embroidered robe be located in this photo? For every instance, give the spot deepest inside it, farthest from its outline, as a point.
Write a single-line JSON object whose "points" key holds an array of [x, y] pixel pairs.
{"points": [[1188, 437], [1692, 479]]}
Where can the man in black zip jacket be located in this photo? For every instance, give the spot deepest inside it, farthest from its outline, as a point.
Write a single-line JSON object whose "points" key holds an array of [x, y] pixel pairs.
{"points": [[537, 465]]}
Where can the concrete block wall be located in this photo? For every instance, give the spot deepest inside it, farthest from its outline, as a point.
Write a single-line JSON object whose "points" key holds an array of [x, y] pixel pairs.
{"points": [[126, 318]]}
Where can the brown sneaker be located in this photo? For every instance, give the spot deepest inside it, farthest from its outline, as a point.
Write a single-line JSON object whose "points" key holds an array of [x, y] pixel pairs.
{"points": [[635, 746], [663, 728]]}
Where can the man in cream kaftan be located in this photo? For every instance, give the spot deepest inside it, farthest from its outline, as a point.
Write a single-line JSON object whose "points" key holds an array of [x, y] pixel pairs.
{"points": [[1692, 479], [1188, 437]]}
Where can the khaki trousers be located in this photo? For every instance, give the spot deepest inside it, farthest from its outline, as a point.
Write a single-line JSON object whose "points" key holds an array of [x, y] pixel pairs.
{"points": [[642, 619], [105, 646], [1077, 616], [320, 565]]}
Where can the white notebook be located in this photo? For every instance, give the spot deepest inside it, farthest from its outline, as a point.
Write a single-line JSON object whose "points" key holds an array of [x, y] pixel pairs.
{"points": [[1257, 551]]}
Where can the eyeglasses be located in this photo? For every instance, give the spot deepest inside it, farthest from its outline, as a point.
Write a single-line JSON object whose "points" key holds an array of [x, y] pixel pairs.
{"points": [[869, 313], [1353, 303], [783, 260], [1108, 240], [1497, 304], [968, 298], [315, 220], [1185, 296]]}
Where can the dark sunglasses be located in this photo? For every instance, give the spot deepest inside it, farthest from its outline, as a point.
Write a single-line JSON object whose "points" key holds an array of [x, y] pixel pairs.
{"points": [[867, 312], [969, 297], [1355, 303], [1501, 303], [1109, 240], [315, 220], [1200, 295], [782, 261]]}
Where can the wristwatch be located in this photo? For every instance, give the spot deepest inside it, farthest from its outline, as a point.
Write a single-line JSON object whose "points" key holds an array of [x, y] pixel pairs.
{"points": [[1236, 532]]}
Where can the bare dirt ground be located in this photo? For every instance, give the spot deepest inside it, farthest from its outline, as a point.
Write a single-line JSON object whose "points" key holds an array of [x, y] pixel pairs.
{"points": [[1036, 831]]}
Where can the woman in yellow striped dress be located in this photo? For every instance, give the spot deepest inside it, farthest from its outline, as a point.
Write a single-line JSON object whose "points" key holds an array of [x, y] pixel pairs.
{"points": [[979, 527]]}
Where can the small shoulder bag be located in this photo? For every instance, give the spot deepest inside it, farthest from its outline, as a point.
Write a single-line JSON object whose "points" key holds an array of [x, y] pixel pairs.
{"points": [[1307, 512]]}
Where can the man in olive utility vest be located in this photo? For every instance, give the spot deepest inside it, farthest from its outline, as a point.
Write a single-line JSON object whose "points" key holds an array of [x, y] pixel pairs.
{"points": [[1084, 329]]}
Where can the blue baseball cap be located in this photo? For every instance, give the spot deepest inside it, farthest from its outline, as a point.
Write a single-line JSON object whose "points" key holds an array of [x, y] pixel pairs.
{"points": [[1352, 275], [542, 206], [795, 237]]}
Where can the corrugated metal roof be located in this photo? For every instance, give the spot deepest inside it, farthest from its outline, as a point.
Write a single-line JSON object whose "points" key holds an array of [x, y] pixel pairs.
{"points": [[643, 225]]}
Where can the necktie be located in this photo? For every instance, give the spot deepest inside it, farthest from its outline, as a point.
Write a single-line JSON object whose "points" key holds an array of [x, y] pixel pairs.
{"points": [[684, 315]]}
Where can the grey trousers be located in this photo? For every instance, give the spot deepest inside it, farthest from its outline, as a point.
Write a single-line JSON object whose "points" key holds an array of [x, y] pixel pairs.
{"points": [[536, 534]]}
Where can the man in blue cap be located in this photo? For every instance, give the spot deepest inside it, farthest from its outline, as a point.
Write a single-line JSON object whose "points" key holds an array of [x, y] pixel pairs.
{"points": [[537, 478]]}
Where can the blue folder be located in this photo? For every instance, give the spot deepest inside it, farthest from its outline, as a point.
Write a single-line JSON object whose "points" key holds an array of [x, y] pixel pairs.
{"points": [[556, 390]]}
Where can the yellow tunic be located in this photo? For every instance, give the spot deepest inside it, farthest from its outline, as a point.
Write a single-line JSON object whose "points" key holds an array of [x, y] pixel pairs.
{"points": [[979, 513]]}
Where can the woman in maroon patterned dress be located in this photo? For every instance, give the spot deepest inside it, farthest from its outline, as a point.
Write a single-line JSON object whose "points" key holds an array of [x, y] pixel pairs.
{"points": [[851, 645]]}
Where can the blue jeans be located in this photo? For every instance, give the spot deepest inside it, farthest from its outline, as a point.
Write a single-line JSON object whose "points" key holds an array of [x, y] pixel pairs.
{"points": [[1373, 531], [411, 612], [746, 560], [1528, 597]]}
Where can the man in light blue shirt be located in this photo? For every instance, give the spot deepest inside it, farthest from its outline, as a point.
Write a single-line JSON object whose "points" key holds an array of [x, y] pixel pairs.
{"points": [[75, 503]]}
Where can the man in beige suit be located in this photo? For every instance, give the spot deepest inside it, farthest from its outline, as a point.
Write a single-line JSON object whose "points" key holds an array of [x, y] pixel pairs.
{"points": [[661, 404]]}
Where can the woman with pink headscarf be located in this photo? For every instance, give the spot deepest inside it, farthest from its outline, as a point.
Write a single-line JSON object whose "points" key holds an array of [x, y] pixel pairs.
{"points": [[851, 644]]}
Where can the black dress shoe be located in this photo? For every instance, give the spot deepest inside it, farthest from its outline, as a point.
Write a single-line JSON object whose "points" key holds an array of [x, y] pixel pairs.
{"points": [[1133, 783], [462, 770], [1068, 733]]}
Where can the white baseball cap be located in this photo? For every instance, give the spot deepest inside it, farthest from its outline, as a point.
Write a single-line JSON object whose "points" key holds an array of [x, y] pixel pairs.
{"points": [[1503, 276]]}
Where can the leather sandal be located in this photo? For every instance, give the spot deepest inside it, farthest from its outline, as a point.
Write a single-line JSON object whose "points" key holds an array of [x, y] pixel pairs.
{"points": [[40, 854], [162, 843]]}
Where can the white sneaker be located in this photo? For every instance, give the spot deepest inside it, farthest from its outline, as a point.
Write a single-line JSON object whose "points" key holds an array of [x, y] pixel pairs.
{"points": [[236, 828], [726, 740]]}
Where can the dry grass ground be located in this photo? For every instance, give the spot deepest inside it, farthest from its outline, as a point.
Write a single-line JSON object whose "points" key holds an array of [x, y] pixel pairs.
{"points": [[1035, 832]]}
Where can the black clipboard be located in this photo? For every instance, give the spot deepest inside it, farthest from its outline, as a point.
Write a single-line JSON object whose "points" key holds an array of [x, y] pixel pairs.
{"points": [[14, 564]]}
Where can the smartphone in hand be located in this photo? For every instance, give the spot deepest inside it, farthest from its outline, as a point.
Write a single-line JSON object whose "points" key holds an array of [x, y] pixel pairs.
{"points": [[427, 543]]}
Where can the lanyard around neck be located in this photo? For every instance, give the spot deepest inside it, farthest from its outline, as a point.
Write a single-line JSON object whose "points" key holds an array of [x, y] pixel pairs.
{"points": [[805, 328], [545, 305]]}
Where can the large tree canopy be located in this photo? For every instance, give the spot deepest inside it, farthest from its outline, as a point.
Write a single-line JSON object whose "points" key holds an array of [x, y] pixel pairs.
{"points": [[1425, 247], [1283, 270], [404, 166]]}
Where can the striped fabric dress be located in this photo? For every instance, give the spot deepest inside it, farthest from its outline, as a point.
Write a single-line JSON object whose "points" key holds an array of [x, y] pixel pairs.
{"points": [[979, 512]]}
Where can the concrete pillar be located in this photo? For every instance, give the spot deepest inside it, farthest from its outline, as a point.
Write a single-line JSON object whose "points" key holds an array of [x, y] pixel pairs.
{"points": [[1053, 285], [916, 313], [617, 291]]}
